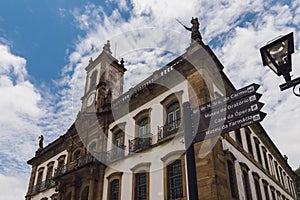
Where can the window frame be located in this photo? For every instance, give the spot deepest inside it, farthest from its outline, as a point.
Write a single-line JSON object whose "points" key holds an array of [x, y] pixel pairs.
{"points": [[257, 148], [144, 168], [266, 161], [142, 115], [238, 137], [176, 118], [166, 102], [169, 159], [249, 141], [266, 189], [93, 80], [232, 182], [118, 128], [256, 178], [40, 174], [246, 181], [112, 177]]}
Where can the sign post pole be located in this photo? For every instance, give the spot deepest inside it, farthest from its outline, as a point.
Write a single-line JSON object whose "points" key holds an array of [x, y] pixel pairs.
{"points": [[190, 153]]}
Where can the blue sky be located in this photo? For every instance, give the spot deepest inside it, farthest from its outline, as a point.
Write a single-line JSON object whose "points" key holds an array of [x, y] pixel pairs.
{"points": [[45, 46]]}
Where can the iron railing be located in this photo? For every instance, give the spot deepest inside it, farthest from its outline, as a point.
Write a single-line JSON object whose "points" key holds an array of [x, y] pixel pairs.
{"points": [[168, 129], [95, 157], [115, 154], [138, 144], [61, 170], [48, 183]]}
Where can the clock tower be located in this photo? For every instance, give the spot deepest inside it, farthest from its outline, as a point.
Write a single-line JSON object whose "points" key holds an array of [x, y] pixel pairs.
{"points": [[104, 81]]}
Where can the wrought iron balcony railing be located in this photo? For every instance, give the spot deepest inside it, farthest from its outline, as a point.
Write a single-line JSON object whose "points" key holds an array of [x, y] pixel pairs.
{"points": [[115, 153], [48, 183], [95, 157], [61, 170], [138, 144], [168, 129]]}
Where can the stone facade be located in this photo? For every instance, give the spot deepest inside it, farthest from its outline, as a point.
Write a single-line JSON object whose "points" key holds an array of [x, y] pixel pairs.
{"points": [[131, 145]]}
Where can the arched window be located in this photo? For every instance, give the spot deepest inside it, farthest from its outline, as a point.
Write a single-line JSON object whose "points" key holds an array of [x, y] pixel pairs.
{"points": [[143, 128], [232, 174], [40, 176], [232, 179], [85, 193], [49, 170], [143, 137], [246, 182], [173, 114], [257, 185]]}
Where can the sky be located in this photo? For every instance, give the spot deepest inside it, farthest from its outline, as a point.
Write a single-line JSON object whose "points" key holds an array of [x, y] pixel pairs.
{"points": [[45, 46]]}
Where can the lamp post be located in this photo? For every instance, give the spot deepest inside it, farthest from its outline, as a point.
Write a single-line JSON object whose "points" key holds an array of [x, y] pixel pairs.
{"points": [[277, 54]]}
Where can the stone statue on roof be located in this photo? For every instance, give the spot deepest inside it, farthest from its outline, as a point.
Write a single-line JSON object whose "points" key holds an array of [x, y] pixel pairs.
{"points": [[195, 33], [41, 141], [106, 47]]}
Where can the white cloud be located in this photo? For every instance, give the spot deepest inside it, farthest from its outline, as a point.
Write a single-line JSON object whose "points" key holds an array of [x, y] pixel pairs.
{"points": [[242, 60], [20, 113], [12, 188], [236, 29]]}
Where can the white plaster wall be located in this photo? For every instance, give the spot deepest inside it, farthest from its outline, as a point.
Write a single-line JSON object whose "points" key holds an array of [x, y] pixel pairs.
{"points": [[51, 191], [241, 158], [156, 115], [47, 193], [153, 156], [44, 164]]}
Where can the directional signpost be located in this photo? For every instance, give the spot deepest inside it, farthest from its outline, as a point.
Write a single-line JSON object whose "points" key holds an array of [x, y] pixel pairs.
{"points": [[234, 111]]}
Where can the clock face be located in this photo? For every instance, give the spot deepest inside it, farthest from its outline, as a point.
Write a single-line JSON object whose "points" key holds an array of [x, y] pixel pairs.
{"points": [[90, 99]]}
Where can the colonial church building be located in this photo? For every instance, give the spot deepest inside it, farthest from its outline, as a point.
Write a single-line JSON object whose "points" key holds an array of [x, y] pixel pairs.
{"points": [[132, 145]]}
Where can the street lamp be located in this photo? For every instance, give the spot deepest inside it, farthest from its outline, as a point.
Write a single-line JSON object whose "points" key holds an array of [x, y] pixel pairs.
{"points": [[277, 54]]}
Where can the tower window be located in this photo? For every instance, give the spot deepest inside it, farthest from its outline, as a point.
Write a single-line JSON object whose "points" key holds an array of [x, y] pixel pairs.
{"points": [[93, 80]]}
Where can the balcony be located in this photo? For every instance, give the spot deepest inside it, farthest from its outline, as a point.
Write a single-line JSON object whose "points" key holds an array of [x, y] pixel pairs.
{"points": [[115, 154], [49, 183], [78, 163], [138, 144], [168, 129]]}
